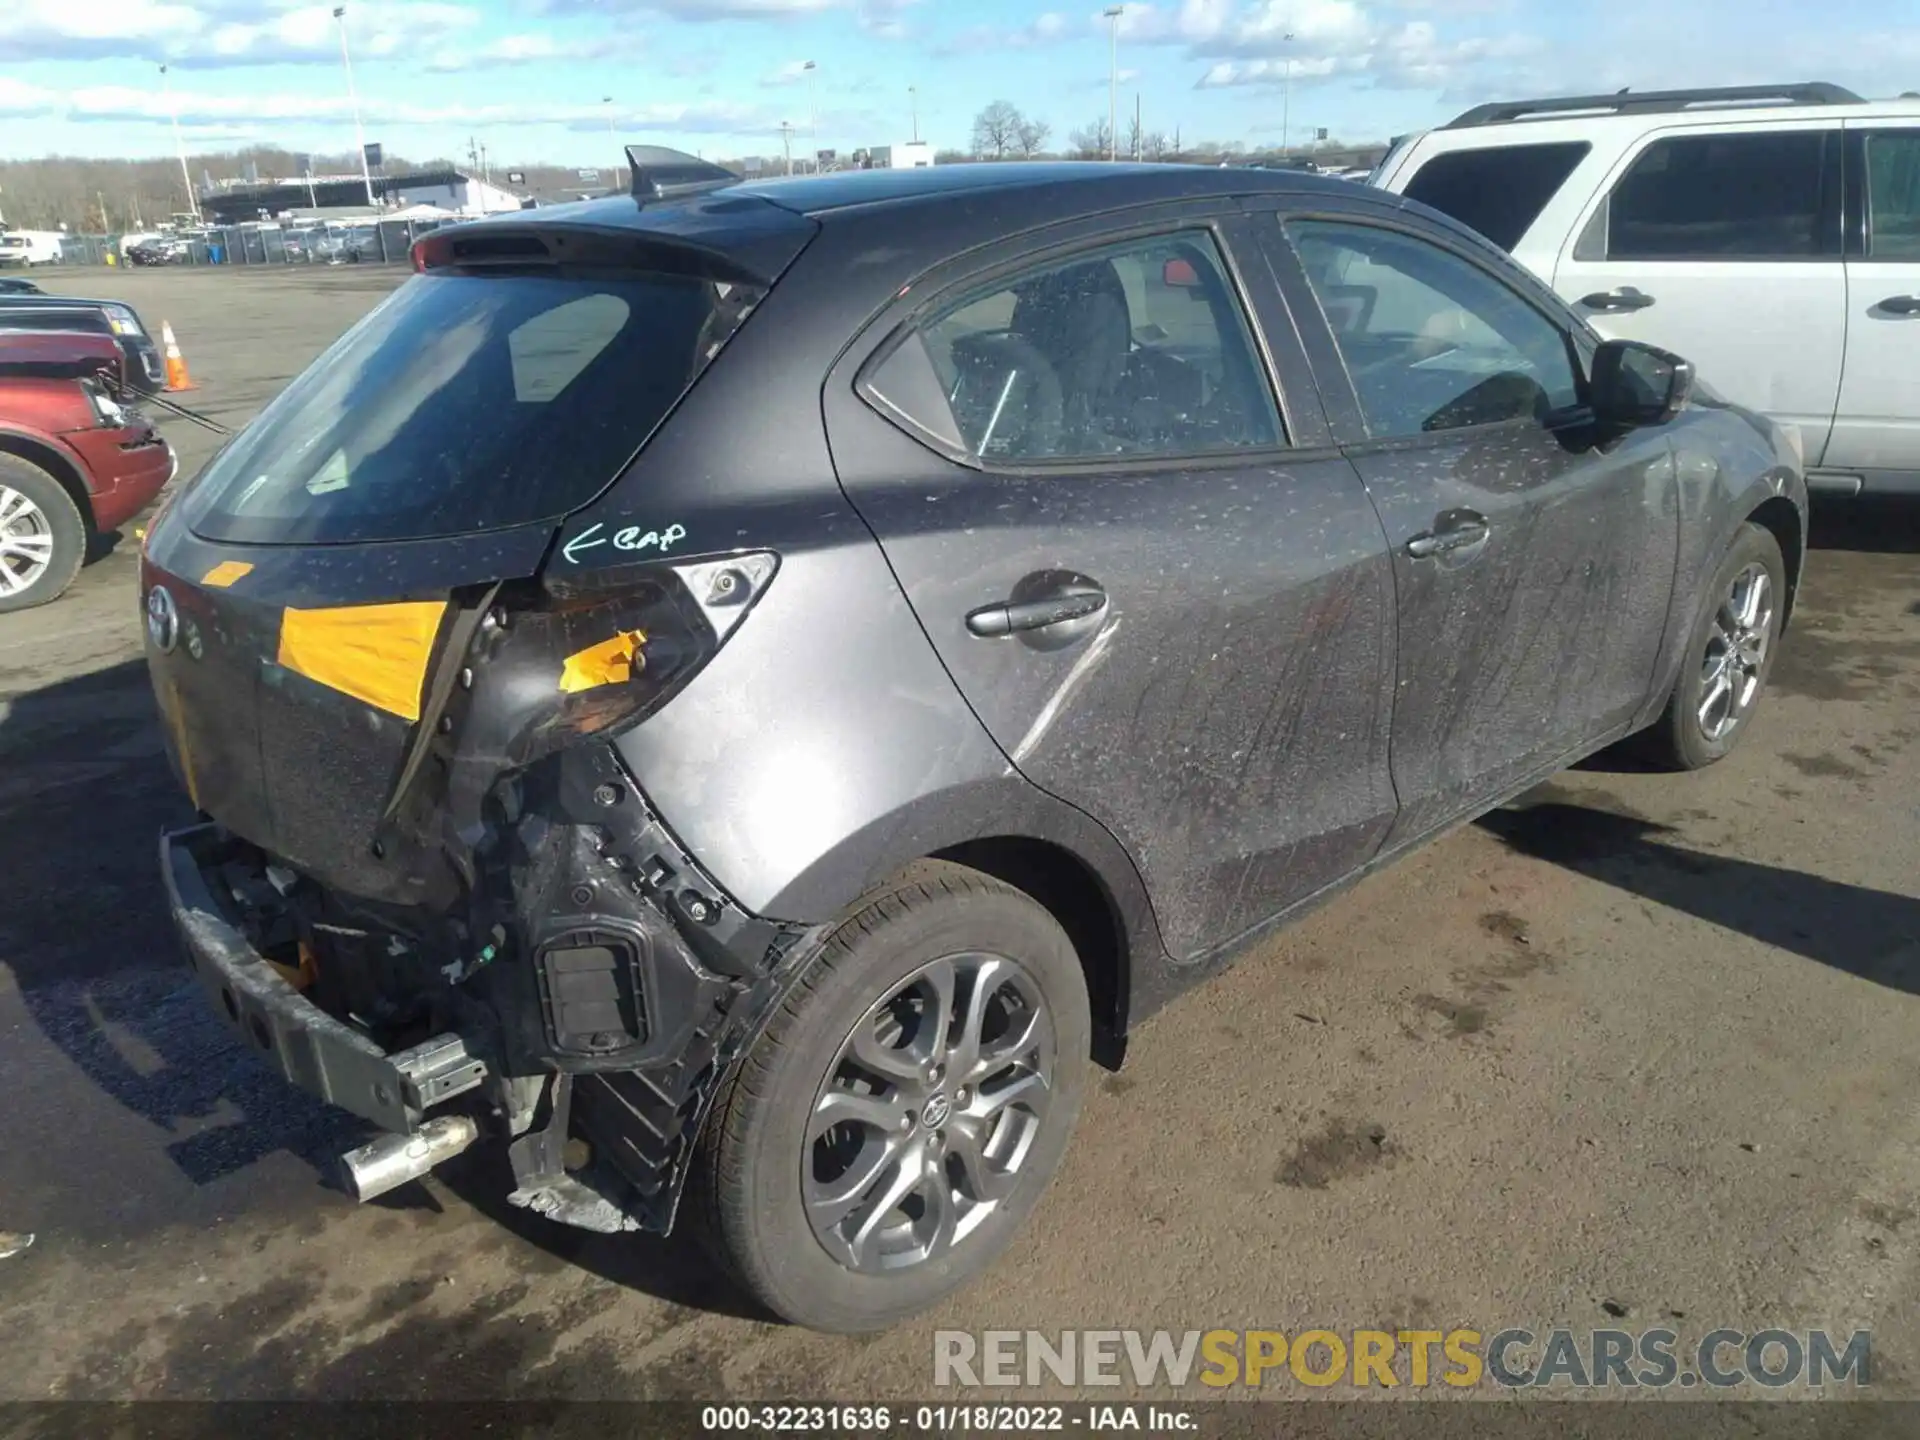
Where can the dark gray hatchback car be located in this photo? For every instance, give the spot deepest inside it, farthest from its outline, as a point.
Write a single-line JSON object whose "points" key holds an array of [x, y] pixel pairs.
{"points": [[735, 694]]}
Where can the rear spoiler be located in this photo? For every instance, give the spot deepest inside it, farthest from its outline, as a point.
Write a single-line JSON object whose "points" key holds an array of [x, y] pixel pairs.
{"points": [[738, 239], [660, 173]]}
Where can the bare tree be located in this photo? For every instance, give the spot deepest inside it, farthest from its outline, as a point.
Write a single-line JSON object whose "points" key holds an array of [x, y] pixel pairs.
{"points": [[1032, 137], [996, 130], [1090, 141], [1132, 145], [1156, 146]]}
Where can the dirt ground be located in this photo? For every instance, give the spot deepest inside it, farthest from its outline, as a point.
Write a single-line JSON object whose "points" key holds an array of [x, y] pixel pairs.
{"points": [[1640, 1050]]}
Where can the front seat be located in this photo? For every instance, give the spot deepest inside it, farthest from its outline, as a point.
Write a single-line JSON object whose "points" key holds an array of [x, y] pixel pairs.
{"points": [[1078, 319]]}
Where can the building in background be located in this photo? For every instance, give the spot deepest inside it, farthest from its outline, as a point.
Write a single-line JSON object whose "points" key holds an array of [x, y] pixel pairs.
{"points": [[454, 191], [909, 155], [451, 190]]}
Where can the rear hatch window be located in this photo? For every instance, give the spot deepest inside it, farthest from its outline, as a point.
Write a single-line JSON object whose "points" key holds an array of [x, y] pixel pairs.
{"points": [[466, 403]]}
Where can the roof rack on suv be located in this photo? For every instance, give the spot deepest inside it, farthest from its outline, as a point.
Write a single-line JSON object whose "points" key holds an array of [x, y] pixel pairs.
{"points": [[659, 173], [1627, 102]]}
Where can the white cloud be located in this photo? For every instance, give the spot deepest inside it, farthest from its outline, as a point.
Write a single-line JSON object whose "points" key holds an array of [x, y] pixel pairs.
{"points": [[695, 9], [256, 115], [1410, 56], [62, 30], [794, 72], [1257, 42], [222, 32], [533, 49], [21, 101], [1050, 28]]}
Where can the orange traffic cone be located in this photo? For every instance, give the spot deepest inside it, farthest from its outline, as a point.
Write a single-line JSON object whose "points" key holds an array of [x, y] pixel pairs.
{"points": [[177, 377]]}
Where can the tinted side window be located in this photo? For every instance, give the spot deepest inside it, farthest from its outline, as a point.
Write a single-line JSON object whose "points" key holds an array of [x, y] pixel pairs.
{"points": [[1431, 341], [1136, 350], [1727, 197], [1893, 195], [1500, 191]]}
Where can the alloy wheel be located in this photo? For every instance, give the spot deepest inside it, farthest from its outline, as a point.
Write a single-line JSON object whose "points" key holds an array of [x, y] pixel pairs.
{"points": [[927, 1117], [1736, 656], [26, 542]]}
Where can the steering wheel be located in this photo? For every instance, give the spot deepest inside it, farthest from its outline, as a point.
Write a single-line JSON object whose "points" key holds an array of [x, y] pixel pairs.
{"points": [[988, 390]]}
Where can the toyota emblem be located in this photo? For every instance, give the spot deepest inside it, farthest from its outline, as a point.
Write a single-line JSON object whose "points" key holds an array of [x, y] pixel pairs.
{"points": [[163, 621]]}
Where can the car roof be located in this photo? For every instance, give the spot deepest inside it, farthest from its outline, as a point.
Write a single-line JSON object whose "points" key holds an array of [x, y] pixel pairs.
{"points": [[24, 301], [1099, 183], [1095, 185], [758, 227], [1549, 125]]}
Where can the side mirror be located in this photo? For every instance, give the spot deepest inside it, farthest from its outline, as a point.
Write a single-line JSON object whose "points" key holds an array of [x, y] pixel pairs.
{"points": [[1635, 384]]}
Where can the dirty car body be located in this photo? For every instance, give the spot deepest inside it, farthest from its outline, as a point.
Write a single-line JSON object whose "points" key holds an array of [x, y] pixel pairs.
{"points": [[548, 791]]}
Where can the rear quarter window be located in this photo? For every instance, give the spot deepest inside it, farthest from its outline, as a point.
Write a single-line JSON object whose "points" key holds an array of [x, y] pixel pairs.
{"points": [[469, 403], [1499, 191]]}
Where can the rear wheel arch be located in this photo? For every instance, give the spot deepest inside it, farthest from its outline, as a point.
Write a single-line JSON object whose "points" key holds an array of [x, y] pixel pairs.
{"points": [[1779, 517], [62, 469], [1070, 890]]}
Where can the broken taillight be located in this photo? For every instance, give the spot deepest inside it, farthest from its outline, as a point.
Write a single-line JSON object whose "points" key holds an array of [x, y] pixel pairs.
{"points": [[567, 667]]}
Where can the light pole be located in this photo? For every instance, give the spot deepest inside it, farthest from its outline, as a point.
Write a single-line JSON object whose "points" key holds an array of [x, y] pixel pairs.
{"points": [[813, 114], [1286, 94], [1113, 14], [180, 148], [913, 100], [606, 102], [359, 135]]}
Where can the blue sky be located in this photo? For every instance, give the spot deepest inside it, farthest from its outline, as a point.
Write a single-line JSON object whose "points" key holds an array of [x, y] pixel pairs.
{"points": [[529, 78]]}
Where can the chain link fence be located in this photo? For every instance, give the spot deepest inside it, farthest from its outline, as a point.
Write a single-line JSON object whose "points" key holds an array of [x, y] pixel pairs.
{"points": [[383, 242]]}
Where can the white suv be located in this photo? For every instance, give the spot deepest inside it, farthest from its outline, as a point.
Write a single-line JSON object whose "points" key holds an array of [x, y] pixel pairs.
{"points": [[1769, 234]]}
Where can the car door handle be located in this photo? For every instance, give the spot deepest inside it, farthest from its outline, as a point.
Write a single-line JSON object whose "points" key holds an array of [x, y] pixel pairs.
{"points": [[1468, 530], [1901, 305], [1625, 298], [1009, 617]]}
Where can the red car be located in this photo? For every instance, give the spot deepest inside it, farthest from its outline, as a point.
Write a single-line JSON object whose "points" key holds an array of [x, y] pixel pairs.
{"points": [[75, 462]]}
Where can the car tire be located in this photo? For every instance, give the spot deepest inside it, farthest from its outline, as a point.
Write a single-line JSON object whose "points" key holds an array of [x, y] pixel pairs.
{"points": [[34, 506], [1727, 645], [764, 1180]]}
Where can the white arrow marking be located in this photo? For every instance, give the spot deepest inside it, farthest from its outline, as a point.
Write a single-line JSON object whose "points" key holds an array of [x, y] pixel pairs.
{"points": [[582, 542]]}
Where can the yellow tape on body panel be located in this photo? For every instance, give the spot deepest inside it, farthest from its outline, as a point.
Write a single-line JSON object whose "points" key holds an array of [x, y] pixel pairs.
{"points": [[183, 748], [375, 653], [225, 573], [611, 662]]}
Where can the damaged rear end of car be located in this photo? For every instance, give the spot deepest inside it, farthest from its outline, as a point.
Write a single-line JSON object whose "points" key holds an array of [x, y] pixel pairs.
{"points": [[423, 882]]}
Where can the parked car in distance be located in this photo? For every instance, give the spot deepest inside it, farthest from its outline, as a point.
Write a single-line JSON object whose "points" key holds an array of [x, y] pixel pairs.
{"points": [[159, 250], [347, 245], [774, 677], [23, 248], [1771, 234], [76, 460], [146, 369]]}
